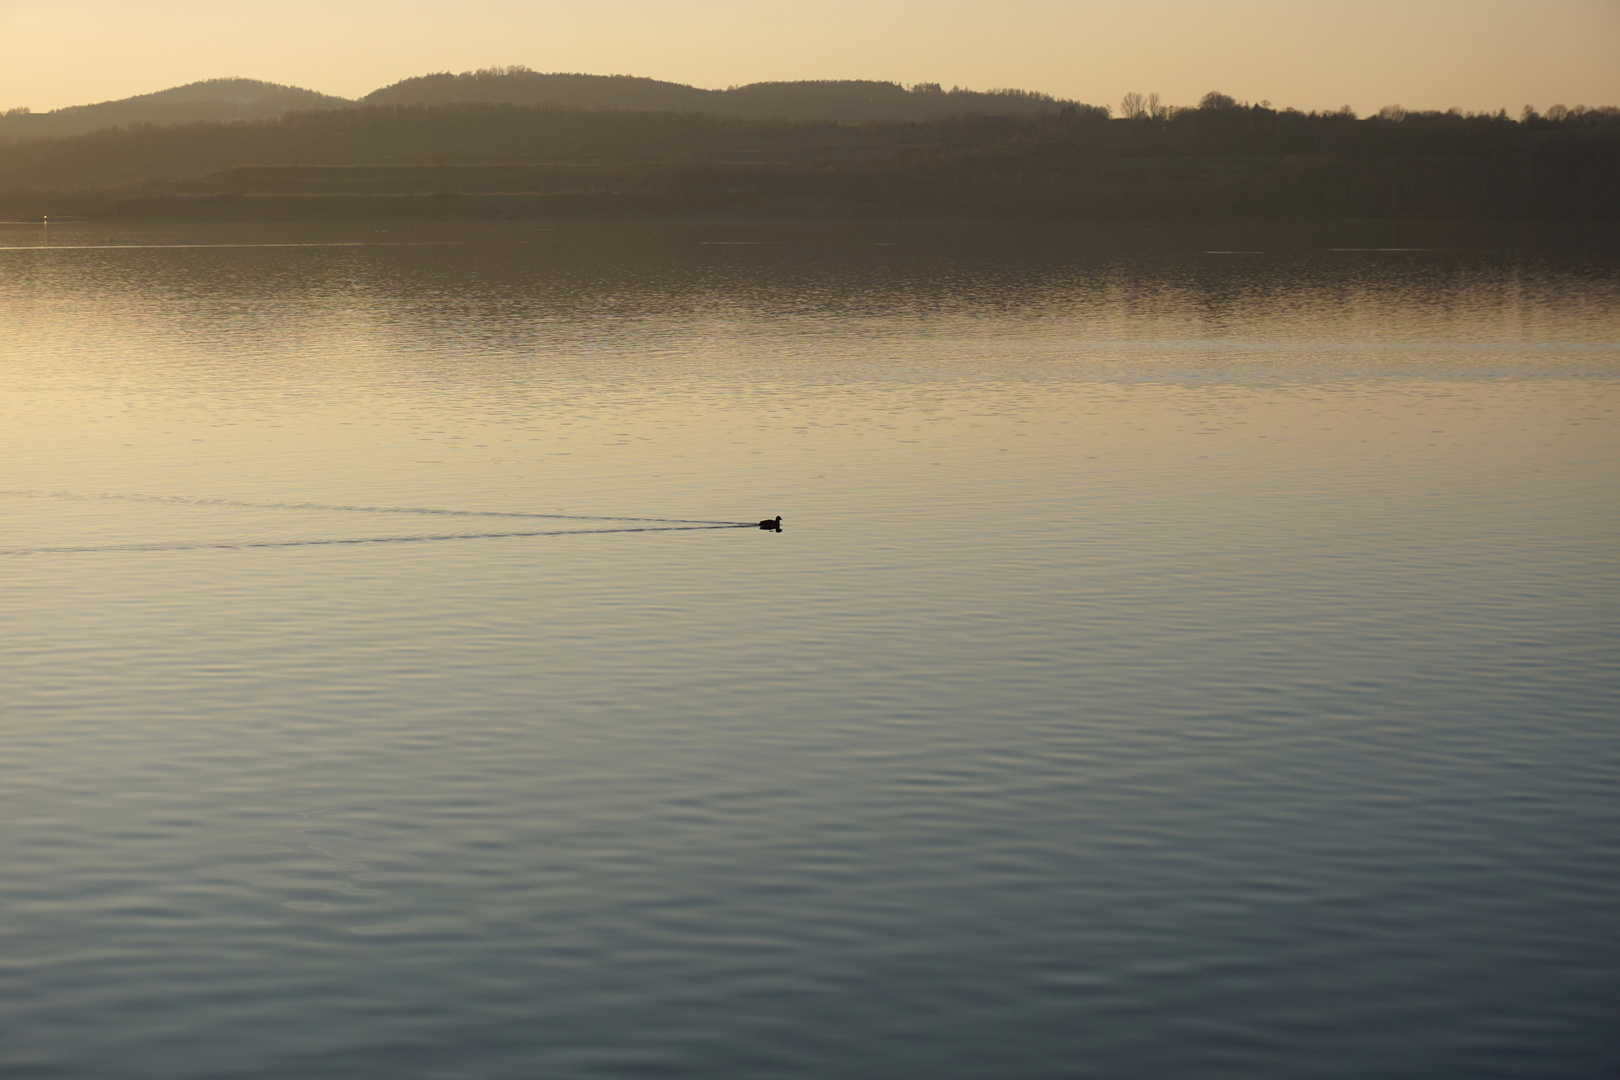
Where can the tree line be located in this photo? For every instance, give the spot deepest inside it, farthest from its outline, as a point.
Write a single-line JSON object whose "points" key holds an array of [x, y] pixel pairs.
{"points": [[842, 100], [1219, 159]]}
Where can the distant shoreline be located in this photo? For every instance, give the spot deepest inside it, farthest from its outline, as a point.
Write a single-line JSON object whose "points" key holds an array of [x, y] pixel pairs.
{"points": [[1211, 240], [503, 162], [531, 208]]}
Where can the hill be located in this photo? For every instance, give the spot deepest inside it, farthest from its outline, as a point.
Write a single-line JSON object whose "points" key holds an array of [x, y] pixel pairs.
{"points": [[229, 100], [845, 101], [216, 100]]}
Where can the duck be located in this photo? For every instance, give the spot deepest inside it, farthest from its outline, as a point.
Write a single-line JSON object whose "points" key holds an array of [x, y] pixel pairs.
{"points": [[773, 524]]}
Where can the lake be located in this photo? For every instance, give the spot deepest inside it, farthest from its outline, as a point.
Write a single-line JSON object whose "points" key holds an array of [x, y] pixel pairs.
{"points": [[1188, 652]]}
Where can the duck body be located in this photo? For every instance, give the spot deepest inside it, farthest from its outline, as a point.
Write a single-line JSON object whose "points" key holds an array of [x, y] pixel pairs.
{"points": [[773, 524]]}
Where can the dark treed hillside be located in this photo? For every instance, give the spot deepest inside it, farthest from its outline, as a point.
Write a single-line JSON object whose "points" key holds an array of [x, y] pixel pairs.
{"points": [[517, 86], [226, 100], [507, 161], [849, 101], [448, 134], [214, 99]]}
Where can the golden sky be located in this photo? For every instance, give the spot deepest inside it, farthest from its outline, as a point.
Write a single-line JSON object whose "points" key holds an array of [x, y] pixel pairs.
{"points": [[1311, 54]]}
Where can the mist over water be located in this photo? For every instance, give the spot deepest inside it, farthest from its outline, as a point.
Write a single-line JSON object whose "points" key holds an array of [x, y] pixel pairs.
{"points": [[1186, 654]]}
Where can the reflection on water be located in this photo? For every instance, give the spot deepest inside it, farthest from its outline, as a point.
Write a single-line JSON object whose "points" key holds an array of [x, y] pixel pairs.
{"points": [[1182, 661]]}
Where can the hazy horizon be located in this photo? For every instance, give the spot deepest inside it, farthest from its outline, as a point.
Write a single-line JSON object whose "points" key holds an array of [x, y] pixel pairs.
{"points": [[1436, 55]]}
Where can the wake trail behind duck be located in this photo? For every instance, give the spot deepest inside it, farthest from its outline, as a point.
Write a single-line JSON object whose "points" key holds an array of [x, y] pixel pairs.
{"points": [[233, 545], [240, 504]]}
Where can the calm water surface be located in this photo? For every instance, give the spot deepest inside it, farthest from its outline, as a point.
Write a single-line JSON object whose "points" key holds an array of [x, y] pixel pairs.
{"points": [[1178, 661]]}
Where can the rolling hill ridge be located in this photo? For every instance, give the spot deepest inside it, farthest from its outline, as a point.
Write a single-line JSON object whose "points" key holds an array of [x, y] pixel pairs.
{"points": [[228, 100], [212, 100]]}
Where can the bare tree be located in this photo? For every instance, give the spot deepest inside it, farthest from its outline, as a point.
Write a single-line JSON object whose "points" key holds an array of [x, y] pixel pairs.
{"points": [[1158, 110], [1133, 106]]}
